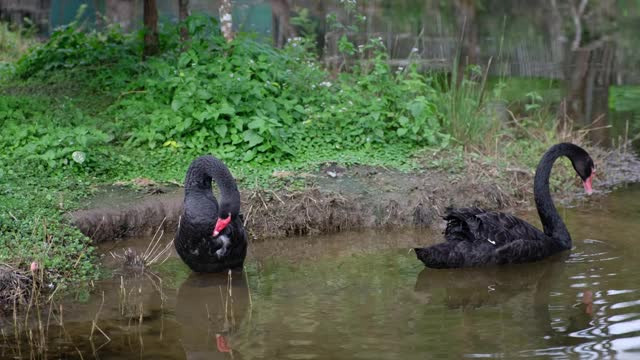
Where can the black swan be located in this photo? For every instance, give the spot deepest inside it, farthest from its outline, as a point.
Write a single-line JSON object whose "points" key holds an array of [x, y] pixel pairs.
{"points": [[211, 237], [476, 237]]}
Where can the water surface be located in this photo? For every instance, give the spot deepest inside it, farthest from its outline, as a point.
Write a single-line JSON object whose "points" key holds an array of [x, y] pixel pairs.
{"points": [[364, 296]]}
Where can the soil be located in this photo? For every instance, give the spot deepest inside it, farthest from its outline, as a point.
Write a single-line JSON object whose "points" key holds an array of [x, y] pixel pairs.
{"points": [[337, 199]]}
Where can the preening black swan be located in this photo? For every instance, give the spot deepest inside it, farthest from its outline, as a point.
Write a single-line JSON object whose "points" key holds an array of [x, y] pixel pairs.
{"points": [[211, 237], [476, 237]]}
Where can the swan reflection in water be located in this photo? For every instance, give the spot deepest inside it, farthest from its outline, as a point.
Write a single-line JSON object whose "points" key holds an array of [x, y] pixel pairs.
{"points": [[210, 309], [521, 292]]}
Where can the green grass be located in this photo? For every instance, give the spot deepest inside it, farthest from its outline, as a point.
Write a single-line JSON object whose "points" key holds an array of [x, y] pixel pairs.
{"points": [[14, 42]]}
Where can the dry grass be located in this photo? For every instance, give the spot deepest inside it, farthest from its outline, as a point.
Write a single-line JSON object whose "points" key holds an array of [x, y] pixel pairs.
{"points": [[17, 286], [286, 213], [155, 253]]}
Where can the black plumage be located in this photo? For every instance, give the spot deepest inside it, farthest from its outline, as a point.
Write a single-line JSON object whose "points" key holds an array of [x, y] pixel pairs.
{"points": [[194, 240], [476, 237]]}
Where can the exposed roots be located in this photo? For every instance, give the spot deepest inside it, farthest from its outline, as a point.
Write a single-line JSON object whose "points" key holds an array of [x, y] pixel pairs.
{"points": [[108, 224], [16, 287], [299, 213]]}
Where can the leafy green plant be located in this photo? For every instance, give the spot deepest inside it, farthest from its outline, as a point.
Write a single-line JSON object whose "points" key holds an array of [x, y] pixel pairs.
{"points": [[534, 101]]}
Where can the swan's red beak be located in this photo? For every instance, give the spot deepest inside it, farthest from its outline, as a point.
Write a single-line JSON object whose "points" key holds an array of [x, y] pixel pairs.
{"points": [[220, 225], [222, 343], [587, 184]]}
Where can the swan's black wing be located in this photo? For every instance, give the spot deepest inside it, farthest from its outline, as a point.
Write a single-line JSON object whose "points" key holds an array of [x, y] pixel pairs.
{"points": [[524, 250], [496, 228], [476, 237], [457, 254]]}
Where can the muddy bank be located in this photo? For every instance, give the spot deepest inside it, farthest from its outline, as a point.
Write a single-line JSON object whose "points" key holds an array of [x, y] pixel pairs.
{"points": [[338, 198], [358, 197]]}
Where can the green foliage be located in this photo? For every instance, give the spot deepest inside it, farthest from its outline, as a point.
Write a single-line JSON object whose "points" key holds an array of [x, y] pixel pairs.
{"points": [[245, 100], [32, 133], [14, 42], [625, 98], [469, 118], [32, 230], [69, 47]]}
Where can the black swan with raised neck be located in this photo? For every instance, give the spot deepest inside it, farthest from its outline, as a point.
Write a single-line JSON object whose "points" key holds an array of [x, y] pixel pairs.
{"points": [[211, 235], [477, 237]]}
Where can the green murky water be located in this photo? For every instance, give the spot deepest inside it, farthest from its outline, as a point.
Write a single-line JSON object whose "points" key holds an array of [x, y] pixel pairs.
{"points": [[363, 296]]}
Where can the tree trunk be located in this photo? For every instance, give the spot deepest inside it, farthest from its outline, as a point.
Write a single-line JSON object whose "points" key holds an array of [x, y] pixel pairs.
{"points": [[469, 49], [281, 25], [183, 13], [321, 31], [151, 46], [589, 76], [572, 108], [226, 21], [599, 81]]}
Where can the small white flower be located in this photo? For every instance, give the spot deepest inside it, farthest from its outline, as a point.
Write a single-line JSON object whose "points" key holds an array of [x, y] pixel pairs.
{"points": [[325, 84], [78, 156]]}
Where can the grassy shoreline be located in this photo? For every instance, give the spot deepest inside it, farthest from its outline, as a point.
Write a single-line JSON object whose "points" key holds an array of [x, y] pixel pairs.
{"points": [[82, 110]]}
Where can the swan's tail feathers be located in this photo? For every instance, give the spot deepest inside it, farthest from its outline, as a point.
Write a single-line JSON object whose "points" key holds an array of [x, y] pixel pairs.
{"points": [[440, 256], [462, 224]]}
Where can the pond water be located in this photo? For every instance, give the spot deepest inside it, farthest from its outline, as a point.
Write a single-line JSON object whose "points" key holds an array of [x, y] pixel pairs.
{"points": [[364, 296]]}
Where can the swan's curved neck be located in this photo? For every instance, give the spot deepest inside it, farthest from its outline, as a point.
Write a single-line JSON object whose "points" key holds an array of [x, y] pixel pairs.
{"points": [[552, 223], [207, 168]]}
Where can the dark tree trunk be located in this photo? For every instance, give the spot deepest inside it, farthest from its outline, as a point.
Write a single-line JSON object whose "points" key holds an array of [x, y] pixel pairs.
{"points": [[572, 107], [281, 25], [598, 83], [468, 27], [151, 44], [589, 75], [321, 11], [183, 13]]}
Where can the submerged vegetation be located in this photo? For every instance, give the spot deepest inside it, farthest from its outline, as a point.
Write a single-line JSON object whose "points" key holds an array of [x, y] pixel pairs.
{"points": [[82, 109]]}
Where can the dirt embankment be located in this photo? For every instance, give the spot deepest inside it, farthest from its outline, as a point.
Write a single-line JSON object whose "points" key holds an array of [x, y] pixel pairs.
{"points": [[339, 198]]}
